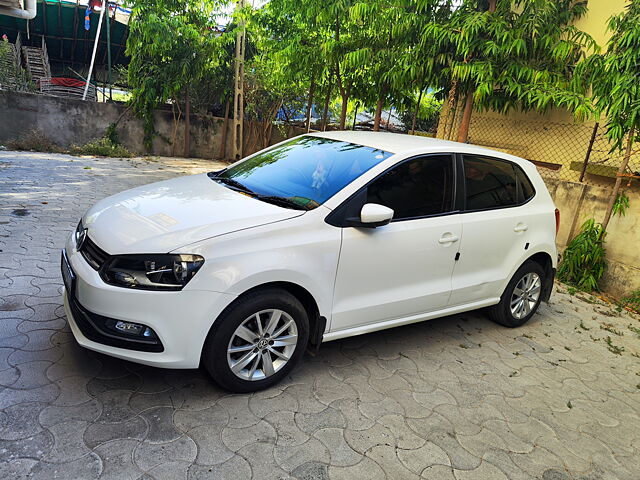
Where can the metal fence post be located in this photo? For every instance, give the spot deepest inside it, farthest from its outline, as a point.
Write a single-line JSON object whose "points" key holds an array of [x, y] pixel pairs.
{"points": [[586, 158]]}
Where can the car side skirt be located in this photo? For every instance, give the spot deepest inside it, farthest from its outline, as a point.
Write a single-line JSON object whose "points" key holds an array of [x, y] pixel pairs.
{"points": [[397, 322]]}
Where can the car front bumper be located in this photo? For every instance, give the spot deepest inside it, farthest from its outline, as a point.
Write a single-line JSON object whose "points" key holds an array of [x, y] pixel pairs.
{"points": [[181, 320]]}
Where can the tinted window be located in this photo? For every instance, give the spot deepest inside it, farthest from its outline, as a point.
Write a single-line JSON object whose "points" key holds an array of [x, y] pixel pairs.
{"points": [[415, 188], [489, 183], [307, 170], [525, 190]]}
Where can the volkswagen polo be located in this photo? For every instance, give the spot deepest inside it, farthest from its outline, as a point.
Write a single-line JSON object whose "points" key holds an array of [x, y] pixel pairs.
{"points": [[321, 237]]}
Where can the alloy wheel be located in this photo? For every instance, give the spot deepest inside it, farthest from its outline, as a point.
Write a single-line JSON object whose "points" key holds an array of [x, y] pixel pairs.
{"points": [[262, 344], [525, 295]]}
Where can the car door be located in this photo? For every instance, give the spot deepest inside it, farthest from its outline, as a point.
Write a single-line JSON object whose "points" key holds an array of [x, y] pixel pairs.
{"points": [[495, 228], [403, 268]]}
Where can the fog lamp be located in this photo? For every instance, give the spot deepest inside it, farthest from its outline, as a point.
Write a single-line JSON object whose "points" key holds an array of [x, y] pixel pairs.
{"points": [[130, 328]]}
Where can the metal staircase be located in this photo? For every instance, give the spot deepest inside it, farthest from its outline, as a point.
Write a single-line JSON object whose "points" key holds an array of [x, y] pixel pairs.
{"points": [[37, 62]]}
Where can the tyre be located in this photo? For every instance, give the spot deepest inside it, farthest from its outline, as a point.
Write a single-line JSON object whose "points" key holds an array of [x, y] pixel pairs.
{"points": [[521, 298], [256, 341]]}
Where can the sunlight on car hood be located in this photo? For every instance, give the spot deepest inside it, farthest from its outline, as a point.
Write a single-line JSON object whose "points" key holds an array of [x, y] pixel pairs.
{"points": [[163, 216]]}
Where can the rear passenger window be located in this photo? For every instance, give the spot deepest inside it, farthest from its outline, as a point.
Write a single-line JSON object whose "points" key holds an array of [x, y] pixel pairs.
{"points": [[489, 183], [416, 188], [525, 187]]}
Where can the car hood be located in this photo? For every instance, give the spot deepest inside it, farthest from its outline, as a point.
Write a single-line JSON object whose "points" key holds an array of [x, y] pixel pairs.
{"points": [[161, 217]]}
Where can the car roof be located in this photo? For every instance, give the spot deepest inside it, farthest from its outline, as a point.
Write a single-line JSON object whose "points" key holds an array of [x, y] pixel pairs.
{"points": [[402, 143]]}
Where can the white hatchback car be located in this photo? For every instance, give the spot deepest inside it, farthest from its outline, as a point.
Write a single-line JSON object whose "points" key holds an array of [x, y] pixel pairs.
{"points": [[320, 237]]}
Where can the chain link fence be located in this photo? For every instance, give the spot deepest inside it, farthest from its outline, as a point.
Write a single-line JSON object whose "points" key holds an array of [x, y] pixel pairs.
{"points": [[571, 152]]}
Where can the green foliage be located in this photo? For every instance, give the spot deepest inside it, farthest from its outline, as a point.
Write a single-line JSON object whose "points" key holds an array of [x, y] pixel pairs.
{"points": [[521, 56], [613, 75], [584, 261], [103, 147], [112, 134], [621, 205], [173, 47], [12, 75], [428, 113]]}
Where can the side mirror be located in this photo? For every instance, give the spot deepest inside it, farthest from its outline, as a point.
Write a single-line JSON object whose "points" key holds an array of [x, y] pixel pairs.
{"points": [[372, 215]]}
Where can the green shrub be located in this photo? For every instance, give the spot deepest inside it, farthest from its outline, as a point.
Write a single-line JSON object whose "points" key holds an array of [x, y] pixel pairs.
{"points": [[621, 205], [584, 261], [103, 147], [34, 141]]}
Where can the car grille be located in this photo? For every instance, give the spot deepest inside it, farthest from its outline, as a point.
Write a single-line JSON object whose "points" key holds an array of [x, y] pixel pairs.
{"points": [[93, 254]]}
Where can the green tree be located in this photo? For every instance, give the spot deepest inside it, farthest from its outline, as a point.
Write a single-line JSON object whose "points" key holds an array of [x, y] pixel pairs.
{"points": [[173, 44], [508, 54], [613, 77], [294, 38], [424, 118], [387, 34]]}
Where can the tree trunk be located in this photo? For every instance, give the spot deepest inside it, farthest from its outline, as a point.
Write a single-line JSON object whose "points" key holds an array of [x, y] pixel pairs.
{"points": [[176, 121], [379, 107], [325, 112], [389, 119], [312, 88], [454, 117], [463, 133], [616, 187], [355, 115], [187, 126], [121, 116], [343, 111], [222, 154], [415, 113], [451, 111]]}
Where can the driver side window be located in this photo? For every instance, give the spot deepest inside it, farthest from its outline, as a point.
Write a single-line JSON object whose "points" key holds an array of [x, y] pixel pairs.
{"points": [[416, 188]]}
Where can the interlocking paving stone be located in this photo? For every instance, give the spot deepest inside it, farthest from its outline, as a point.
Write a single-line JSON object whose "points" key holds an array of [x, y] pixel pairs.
{"points": [[97, 433], [117, 461], [451, 399]]}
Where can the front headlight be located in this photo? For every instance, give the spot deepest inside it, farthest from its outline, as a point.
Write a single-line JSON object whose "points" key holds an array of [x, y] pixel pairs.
{"points": [[79, 235], [151, 272]]}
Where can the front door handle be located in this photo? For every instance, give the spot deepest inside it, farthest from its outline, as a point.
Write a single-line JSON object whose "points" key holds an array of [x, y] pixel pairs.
{"points": [[447, 238], [521, 227]]}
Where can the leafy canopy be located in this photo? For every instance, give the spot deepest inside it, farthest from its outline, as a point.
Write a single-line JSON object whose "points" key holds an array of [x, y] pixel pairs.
{"points": [[173, 45], [614, 75], [522, 55]]}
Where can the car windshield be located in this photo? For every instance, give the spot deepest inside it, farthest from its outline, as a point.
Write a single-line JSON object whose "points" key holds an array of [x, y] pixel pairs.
{"points": [[306, 171]]}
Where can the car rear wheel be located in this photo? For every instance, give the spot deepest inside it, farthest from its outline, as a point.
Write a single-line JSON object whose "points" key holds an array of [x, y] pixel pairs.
{"points": [[522, 296], [256, 341]]}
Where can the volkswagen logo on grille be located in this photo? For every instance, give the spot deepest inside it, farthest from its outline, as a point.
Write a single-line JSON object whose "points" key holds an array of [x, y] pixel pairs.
{"points": [[81, 235]]}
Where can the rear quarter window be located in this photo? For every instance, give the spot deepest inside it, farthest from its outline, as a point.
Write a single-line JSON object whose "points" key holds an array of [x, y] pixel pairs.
{"points": [[491, 183], [525, 188]]}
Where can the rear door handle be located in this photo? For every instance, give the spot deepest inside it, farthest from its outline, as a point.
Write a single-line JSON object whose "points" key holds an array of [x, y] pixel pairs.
{"points": [[447, 238], [521, 227]]}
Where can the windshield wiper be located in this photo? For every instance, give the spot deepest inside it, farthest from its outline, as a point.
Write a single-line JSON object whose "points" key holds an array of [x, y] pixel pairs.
{"points": [[231, 182], [281, 201], [274, 199]]}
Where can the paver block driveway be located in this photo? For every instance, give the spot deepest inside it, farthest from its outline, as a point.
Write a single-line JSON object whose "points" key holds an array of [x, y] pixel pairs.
{"points": [[454, 398]]}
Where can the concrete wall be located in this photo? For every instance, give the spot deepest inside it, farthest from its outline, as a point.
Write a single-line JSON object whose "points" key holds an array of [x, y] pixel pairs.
{"points": [[577, 203], [68, 122]]}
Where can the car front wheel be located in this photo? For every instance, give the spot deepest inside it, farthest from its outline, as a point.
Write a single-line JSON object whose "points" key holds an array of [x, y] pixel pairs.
{"points": [[256, 341], [521, 298]]}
